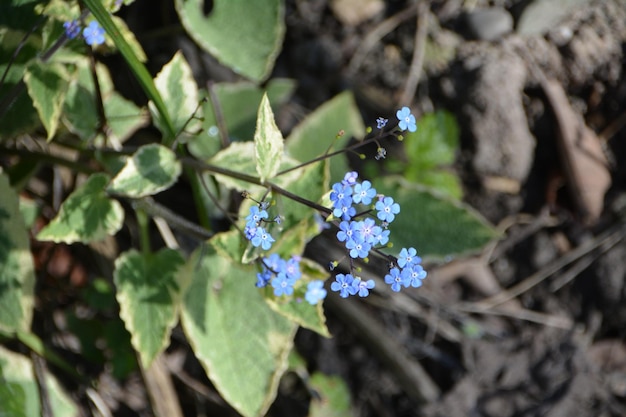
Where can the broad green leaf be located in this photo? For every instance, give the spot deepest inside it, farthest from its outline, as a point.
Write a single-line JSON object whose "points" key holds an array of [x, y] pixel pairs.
{"points": [[19, 394], [179, 90], [240, 157], [149, 296], [17, 274], [47, 85], [152, 169], [243, 35], [238, 106], [86, 215], [268, 142], [242, 344], [433, 224], [80, 112], [333, 399], [318, 132], [296, 308], [429, 149], [17, 114], [134, 62]]}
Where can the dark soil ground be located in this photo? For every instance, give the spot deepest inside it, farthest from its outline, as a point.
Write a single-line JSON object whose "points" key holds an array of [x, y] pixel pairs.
{"points": [[533, 325]]}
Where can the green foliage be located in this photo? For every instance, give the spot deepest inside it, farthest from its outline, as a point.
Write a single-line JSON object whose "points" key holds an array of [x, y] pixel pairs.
{"points": [[86, 215], [17, 276], [243, 35], [152, 169], [268, 142], [148, 294], [19, 394], [221, 142], [434, 223], [242, 344]]}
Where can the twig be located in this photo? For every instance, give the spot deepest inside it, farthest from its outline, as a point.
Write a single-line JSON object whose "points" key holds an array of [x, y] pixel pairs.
{"points": [[408, 372], [418, 55], [39, 367], [385, 27], [609, 237]]}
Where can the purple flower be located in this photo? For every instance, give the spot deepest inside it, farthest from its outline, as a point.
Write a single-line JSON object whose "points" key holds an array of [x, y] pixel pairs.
{"points": [[350, 178], [381, 122]]}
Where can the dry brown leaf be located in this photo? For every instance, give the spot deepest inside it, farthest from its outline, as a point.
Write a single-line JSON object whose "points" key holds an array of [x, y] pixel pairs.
{"points": [[586, 166]]}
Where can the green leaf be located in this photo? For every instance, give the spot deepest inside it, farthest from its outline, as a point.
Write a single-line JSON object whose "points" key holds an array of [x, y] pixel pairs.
{"points": [[86, 215], [134, 62], [152, 169], [17, 115], [333, 399], [429, 149], [17, 274], [244, 35], [241, 157], [315, 135], [433, 224], [295, 308], [80, 112], [47, 85], [241, 343], [149, 295], [238, 104], [179, 90], [268, 142], [19, 394]]}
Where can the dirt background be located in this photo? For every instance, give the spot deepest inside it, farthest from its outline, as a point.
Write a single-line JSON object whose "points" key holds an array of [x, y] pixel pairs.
{"points": [[533, 325]]}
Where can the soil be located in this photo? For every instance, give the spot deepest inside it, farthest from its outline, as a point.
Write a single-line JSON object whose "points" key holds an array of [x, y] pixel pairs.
{"points": [[533, 325]]}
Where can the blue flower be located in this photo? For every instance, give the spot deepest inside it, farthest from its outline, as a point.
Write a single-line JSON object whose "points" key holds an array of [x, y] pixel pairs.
{"points": [[350, 178], [263, 278], [344, 284], [292, 268], [363, 287], [341, 197], [254, 218], [407, 120], [381, 237], [395, 279], [346, 231], [387, 209], [414, 275], [408, 257], [250, 232], [364, 230], [274, 263], [363, 193], [315, 292], [93, 34], [72, 29], [381, 122], [358, 249], [263, 238], [282, 284], [345, 213]]}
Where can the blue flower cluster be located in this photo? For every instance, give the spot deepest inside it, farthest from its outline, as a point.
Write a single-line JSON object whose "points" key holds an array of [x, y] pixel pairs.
{"points": [[361, 236], [282, 275], [408, 273], [93, 33], [254, 231]]}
